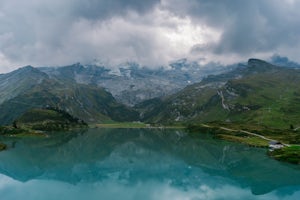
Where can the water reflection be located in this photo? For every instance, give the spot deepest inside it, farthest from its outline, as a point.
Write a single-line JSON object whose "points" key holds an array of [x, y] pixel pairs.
{"points": [[129, 157]]}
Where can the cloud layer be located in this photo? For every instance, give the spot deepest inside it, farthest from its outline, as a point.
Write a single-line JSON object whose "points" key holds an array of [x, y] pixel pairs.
{"points": [[151, 32]]}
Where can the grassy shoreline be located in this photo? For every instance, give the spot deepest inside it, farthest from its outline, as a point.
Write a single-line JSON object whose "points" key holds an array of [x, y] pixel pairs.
{"points": [[248, 135], [289, 154], [251, 141], [241, 133]]}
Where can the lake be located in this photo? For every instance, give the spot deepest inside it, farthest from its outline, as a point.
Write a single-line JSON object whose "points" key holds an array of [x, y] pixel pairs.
{"points": [[142, 164]]}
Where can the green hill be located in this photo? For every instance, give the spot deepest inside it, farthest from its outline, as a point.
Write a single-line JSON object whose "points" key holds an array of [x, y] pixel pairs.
{"points": [[35, 121], [48, 119], [259, 93]]}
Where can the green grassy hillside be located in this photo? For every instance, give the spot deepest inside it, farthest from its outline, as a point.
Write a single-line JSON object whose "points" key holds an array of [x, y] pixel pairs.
{"points": [[259, 93]]}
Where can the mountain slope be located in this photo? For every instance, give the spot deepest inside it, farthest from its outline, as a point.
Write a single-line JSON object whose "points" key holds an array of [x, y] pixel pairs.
{"points": [[14, 83], [130, 83], [259, 93], [88, 102]]}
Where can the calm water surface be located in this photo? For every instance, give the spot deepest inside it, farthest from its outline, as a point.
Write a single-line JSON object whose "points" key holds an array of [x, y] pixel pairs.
{"points": [[141, 164]]}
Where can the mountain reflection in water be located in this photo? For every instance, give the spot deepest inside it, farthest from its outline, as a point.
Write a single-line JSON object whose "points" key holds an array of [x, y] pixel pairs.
{"points": [[137, 160]]}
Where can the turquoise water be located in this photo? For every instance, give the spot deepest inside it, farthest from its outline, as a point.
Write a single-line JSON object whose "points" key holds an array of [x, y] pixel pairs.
{"points": [[141, 164]]}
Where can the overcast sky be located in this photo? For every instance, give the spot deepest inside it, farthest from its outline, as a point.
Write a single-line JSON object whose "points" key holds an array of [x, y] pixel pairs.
{"points": [[151, 32]]}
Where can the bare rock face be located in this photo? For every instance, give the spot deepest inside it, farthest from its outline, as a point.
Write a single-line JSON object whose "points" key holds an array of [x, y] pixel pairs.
{"points": [[131, 83]]}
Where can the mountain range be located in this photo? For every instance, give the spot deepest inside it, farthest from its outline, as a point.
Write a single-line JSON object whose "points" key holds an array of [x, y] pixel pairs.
{"points": [[256, 93], [28, 88], [131, 83], [184, 92]]}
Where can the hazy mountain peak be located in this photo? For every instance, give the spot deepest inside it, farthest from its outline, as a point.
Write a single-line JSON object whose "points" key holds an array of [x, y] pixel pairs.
{"points": [[18, 81], [26, 72], [283, 61], [75, 67], [257, 62], [258, 65], [27, 67], [179, 64]]}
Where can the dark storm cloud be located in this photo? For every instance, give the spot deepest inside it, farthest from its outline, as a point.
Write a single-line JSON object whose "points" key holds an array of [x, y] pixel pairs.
{"points": [[40, 31], [152, 32], [247, 26], [95, 9]]}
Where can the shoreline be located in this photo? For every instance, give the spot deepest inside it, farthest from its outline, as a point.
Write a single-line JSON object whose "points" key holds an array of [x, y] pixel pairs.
{"points": [[135, 125], [289, 153]]}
